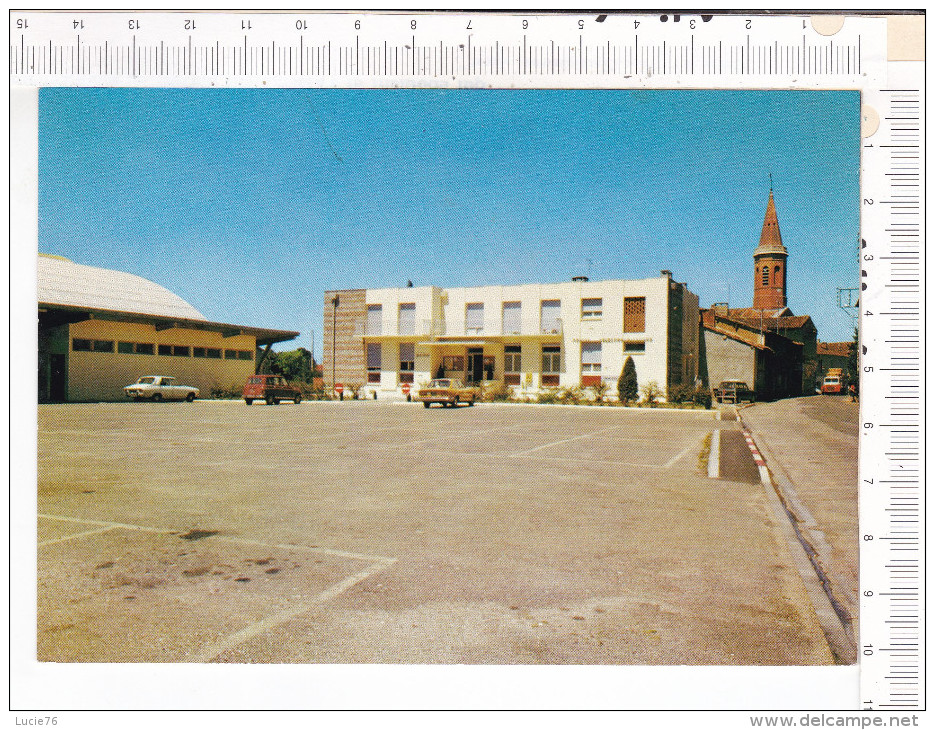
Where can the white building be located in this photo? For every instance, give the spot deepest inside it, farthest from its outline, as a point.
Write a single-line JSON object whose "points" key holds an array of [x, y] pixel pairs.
{"points": [[530, 336]]}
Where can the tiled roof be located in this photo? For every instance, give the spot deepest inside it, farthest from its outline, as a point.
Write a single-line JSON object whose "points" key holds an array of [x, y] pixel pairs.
{"points": [[65, 283], [841, 349]]}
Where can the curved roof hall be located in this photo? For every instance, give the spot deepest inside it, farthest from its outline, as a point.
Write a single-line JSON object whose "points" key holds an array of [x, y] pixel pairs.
{"points": [[65, 283]]}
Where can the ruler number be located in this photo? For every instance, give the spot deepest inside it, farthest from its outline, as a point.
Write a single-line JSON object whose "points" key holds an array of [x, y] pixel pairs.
{"points": [[868, 538], [356, 25], [868, 593], [22, 24], [749, 23], [301, 25], [868, 201], [246, 25], [77, 24], [636, 24], [189, 25], [468, 26], [412, 24], [525, 24], [868, 650], [133, 24]]}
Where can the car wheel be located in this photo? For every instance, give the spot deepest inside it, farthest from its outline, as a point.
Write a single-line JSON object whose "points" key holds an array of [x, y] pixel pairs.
{"points": [[248, 401], [470, 403], [190, 397], [157, 397], [426, 404], [297, 399], [269, 401], [275, 401]]}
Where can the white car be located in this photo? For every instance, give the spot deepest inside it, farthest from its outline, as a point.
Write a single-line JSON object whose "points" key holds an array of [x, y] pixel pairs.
{"points": [[160, 387]]}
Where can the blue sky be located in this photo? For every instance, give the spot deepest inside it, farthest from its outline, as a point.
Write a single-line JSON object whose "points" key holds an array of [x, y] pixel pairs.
{"points": [[251, 203]]}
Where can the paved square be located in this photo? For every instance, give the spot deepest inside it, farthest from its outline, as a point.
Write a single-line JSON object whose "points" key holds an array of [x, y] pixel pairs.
{"points": [[492, 534]]}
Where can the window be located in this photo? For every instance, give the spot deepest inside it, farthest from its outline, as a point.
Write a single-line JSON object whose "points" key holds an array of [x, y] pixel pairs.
{"points": [[374, 319], [474, 318], [81, 345], [374, 362], [407, 319], [103, 346], [551, 316], [165, 349], [181, 351], [125, 348], [213, 352], [198, 352], [634, 314], [592, 308], [590, 363], [512, 364], [453, 363], [407, 362], [765, 279], [244, 355], [145, 348], [634, 347], [512, 318], [777, 276], [230, 354], [551, 364]]}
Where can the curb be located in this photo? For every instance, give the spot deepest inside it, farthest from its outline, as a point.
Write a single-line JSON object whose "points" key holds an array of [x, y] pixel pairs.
{"points": [[807, 545]]}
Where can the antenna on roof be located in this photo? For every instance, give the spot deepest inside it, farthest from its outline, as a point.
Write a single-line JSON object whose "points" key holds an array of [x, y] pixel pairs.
{"points": [[771, 182]]}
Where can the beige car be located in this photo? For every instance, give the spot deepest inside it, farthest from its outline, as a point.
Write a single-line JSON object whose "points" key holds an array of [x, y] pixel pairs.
{"points": [[448, 392]]}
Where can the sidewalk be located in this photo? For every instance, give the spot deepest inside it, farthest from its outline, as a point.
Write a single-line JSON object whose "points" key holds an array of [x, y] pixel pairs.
{"points": [[810, 445]]}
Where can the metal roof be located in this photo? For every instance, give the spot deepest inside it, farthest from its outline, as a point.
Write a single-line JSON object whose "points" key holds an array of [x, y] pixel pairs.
{"points": [[65, 283]]}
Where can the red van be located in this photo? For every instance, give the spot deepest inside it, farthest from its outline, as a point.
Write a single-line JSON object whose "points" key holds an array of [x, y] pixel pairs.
{"points": [[271, 388]]}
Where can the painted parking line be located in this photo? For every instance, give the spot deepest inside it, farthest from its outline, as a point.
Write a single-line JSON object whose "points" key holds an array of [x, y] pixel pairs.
{"points": [[564, 441], [107, 526], [76, 535], [212, 651], [684, 452]]}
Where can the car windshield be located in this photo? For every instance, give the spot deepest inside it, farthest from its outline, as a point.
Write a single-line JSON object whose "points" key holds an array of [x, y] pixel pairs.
{"points": [[440, 384], [146, 381]]}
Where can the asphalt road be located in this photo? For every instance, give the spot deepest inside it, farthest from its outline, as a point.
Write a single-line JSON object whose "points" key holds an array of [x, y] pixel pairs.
{"points": [[379, 532]]}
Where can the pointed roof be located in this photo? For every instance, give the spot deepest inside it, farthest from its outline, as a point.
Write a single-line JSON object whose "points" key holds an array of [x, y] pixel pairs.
{"points": [[770, 238]]}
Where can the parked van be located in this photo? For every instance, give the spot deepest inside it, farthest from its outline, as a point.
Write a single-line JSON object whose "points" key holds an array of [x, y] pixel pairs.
{"points": [[271, 388]]}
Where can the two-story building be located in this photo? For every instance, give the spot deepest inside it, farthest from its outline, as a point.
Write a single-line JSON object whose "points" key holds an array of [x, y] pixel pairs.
{"points": [[528, 336]]}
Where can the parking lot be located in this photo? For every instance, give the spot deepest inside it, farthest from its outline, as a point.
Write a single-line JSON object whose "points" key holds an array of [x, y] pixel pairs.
{"points": [[385, 532]]}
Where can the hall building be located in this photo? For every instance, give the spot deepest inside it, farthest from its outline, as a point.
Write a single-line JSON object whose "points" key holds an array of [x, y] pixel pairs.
{"points": [[529, 337], [100, 330]]}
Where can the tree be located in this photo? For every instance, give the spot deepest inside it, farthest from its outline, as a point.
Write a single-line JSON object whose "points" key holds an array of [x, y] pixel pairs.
{"points": [[293, 364], [853, 359], [627, 387]]}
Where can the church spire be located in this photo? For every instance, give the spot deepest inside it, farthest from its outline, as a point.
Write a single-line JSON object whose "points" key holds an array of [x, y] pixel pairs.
{"points": [[770, 238], [769, 262]]}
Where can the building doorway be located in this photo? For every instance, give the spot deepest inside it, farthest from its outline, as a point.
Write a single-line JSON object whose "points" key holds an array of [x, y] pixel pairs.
{"points": [[57, 369], [475, 365]]}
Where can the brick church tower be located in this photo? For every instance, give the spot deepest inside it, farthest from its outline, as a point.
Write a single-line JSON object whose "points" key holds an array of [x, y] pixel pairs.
{"points": [[769, 263]]}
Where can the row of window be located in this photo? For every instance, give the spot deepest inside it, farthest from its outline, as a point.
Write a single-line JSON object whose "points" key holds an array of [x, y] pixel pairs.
{"points": [[634, 316], [148, 348], [777, 276], [455, 365]]}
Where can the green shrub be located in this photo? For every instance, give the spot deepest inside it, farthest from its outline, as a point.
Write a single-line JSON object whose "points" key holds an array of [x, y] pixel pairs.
{"points": [[549, 395], [702, 397], [681, 394], [652, 393], [496, 392], [627, 388], [572, 395], [600, 392]]}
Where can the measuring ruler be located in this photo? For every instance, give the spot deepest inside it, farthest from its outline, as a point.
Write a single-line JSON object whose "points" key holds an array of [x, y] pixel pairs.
{"points": [[289, 49], [892, 504], [457, 50]]}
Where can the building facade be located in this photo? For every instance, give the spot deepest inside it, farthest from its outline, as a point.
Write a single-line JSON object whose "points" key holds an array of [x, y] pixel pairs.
{"points": [[100, 330], [529, 337]]}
